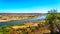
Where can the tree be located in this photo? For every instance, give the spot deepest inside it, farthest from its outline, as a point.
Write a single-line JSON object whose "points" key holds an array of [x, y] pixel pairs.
{"points": [[51, 16]]}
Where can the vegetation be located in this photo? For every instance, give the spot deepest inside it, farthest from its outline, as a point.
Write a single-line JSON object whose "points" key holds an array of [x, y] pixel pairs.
{"points": [[5, 29], [52, 18], [52, 21]]}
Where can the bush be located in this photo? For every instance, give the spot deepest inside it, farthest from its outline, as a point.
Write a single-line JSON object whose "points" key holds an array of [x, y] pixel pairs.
{"points": [[5, 29]]}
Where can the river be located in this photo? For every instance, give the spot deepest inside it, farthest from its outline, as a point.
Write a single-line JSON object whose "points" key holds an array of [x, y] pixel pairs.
{"points": [[12, 22]]}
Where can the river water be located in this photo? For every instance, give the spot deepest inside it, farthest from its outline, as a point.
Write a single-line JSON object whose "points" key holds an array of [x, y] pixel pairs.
{"points": [[12, 22]]}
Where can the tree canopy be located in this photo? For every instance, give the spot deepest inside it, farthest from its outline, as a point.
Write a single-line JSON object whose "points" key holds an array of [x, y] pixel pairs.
{"points": [[51, 18]]}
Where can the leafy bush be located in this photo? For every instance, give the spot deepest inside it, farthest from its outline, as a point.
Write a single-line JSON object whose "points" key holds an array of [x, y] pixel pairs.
{"points": [[5, 29]]}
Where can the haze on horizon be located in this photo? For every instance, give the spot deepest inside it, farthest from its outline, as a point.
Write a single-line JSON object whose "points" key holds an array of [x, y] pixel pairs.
{"points": [[28, 6]]}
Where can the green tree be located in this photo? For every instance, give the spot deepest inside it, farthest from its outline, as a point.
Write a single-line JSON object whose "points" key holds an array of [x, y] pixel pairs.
{"points": [[51, 16]]}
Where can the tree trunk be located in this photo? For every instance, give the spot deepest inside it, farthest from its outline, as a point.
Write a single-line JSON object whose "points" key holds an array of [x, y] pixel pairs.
{"points": [[51, 27]]}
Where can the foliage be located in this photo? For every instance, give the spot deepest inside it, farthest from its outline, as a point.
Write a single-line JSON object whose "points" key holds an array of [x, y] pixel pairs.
{"points": [[5, 29], [51, 19], [24, 31]]}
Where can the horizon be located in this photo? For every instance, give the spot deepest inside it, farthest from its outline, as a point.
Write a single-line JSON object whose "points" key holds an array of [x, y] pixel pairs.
{"points": [[28, 6]]}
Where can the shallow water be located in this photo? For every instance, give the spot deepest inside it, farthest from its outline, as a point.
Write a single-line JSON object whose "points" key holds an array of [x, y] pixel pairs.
{"points": [[21, 21]]}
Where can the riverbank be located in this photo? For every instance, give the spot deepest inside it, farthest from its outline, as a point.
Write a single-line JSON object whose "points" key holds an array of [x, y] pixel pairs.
{"points": [[7, 17], [4, 20]]}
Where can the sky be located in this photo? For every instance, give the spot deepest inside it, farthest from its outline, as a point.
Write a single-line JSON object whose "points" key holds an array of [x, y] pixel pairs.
{"points": [[28, 6]]}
